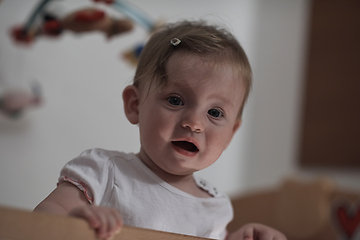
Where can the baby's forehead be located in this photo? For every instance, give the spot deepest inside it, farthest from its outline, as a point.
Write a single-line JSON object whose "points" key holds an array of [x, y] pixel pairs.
{"points": [[199, 72], [215, 58], [185, 64]]}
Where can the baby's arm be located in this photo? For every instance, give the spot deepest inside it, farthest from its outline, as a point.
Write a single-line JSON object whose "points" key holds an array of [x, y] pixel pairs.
{"points": [[67, 199], [255, 231]]}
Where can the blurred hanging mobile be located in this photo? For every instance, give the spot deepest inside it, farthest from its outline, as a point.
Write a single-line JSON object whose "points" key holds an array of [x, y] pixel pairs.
{"points": [[42, 22]]}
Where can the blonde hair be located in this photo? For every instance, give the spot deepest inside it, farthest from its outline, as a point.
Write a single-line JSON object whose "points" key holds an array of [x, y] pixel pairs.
{"points": [[196, 38]]}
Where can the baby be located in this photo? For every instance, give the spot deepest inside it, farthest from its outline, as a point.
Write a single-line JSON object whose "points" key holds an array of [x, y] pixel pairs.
{"points": [[188, 95]]}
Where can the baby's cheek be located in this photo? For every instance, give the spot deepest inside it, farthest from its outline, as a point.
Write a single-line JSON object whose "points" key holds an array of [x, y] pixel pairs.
{"points": [[165, 128], [157, 126], [219, 141]]}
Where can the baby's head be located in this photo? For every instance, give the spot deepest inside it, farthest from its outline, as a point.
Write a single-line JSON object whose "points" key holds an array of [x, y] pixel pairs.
{"points": [[187, 98], [217, 45]]}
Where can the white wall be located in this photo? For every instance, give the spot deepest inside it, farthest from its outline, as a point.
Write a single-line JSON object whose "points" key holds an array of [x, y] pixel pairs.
{"points": [[82, 78]]}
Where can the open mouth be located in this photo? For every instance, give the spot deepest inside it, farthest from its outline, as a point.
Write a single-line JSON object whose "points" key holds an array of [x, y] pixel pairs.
{"points": [[188, 146]]}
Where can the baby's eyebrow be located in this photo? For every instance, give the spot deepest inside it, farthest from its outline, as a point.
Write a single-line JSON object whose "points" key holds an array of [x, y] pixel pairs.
{"points": [[222, 99]]}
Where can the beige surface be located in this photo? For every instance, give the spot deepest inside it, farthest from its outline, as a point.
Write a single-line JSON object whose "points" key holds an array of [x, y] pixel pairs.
{"points": [[24, 225]]}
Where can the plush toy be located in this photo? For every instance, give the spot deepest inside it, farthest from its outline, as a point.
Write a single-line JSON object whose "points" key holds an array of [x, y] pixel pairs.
{"points": [[14, 102]]}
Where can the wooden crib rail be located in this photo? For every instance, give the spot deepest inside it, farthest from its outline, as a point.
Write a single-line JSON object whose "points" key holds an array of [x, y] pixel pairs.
{"points": [[25, 225]]}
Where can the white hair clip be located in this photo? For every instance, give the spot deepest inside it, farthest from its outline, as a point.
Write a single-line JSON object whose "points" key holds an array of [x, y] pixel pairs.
{"points": [[175, 41]]}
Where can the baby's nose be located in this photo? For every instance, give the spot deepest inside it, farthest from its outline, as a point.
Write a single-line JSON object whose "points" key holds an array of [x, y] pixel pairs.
{"points": [[193, 122]]}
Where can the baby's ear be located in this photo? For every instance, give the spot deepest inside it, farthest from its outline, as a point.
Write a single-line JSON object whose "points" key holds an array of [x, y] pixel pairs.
{"points": [[131, 103]]}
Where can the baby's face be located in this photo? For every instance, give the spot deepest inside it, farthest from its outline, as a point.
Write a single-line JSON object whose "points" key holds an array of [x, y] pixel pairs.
{"points": [[186, 125]]}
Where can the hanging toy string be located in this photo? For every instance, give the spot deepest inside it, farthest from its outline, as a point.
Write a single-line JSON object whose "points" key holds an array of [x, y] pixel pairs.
{"points": [[26, 34], [131, 11], [39, 8], [134, 14]]}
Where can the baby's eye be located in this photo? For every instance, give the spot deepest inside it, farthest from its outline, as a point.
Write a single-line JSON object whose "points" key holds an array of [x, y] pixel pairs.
{"points": [[175, 101], [216, 113]]}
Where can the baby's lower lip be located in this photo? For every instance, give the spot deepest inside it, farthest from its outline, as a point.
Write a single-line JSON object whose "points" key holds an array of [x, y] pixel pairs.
{"points": [[184, 152]]}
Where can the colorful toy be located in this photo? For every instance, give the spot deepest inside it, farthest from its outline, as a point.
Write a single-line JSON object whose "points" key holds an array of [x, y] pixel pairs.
{"points": [[79, 21], [91, 19], [82, 21]]}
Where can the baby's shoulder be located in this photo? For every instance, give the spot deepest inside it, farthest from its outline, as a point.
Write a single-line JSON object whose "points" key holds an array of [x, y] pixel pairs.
{"points": [[103, 154], [102, 157]]}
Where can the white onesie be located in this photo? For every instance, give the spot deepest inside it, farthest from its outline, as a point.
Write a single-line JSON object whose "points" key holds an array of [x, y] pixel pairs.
{"points": [[123, 181]]}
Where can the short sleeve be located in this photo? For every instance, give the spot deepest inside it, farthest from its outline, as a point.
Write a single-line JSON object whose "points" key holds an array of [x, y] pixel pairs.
{"points": [[92, 173]]}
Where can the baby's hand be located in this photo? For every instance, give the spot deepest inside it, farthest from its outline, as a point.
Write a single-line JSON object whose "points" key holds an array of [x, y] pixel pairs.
{"points": [[106, 221], [255, 231]]}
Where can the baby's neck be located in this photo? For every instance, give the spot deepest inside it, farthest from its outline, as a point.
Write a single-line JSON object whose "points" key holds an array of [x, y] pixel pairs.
{"points": [[185, 183]]}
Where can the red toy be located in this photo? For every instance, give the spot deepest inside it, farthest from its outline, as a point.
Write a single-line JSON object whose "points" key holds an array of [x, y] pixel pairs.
{"points": [[79, 21]]}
